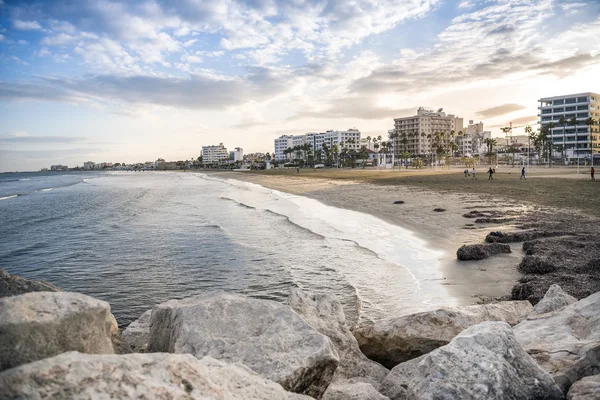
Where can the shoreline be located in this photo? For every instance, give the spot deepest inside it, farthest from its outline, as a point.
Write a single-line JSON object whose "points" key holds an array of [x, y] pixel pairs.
{"points": [[466, 282]]}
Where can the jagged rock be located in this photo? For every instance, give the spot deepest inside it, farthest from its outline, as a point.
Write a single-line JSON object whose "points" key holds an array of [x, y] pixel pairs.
{"points": [[393, 341], [13, 285], [585, 389], [566, 343], [43, 324], [399, 202], [266, 336], [554, 299], [137, 334], [74, 375], [396, 382], [480, 251], [352, 391], [325, 314], [485, 361]]}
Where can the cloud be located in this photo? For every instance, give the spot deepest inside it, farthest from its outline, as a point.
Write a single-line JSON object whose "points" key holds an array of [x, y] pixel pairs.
{"points": [[18, 60], [39, 139], [2, 38], [23, 42], [44, 52], [360, 108], [499, 110], [26, 25], [57, 40]]}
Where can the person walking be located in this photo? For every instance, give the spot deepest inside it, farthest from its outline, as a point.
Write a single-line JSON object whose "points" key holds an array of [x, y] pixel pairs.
{"points": [[592, 172], [491, 172], [466, 172], [523, 174], [473, 172]]}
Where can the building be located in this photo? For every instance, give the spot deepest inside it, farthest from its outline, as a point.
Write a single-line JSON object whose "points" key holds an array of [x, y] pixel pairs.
{"points": [[349, 139], [214, 154], [473, 128], [236, 155], [281, 144], [578, 140], [415, 134], [59, 168], [89, 165]]}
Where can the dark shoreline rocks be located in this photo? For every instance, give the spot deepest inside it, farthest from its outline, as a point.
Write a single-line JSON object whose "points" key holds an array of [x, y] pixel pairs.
{"points": [[481, 251], [13, 285]]}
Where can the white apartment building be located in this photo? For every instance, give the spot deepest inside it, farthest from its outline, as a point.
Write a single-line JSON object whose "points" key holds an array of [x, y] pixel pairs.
{"points": [[473, 128], [282, 143], [578, 139], [89, 165], [213, 154], [349, 139], [236, 155], [414, 134]]}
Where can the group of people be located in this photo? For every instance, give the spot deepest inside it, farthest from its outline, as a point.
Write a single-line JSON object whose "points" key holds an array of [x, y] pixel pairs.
{"points": [[492, 171]]}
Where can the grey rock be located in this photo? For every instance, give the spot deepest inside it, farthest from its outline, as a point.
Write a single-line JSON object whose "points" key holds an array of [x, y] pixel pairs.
{"points": [[396, 382], [352, 391], [266, 336], [480, 251], [566, 342], [326, 315], [485, 361], [137, 334], [393, 341], [13, 285], [43, 324], [74, 375], [585, 389], [554, 299]]}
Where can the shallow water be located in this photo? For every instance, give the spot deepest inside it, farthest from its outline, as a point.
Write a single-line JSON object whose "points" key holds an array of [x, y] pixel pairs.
{"points": [[138, 239]]}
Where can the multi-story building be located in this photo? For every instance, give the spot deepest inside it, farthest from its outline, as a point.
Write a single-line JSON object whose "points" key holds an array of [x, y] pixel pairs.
{"points": [[236, 155], [415, 134], [281, 144], [213, 154], [577, 140], [89, 165], [473, 128]]}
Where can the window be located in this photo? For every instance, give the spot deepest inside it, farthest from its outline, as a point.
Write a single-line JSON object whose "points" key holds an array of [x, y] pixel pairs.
{"points": [[582, 99], [557, 102], [570, 101]]}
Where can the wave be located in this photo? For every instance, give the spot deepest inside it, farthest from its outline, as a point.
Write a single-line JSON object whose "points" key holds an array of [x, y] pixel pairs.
{"points": [[12, 196], [46, 190], [302, 228], [24, 179], [238, 202]]}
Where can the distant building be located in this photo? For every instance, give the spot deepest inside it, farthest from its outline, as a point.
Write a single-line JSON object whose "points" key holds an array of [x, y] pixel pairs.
{"points": [[415, 134], [58, 167], [577, 139], [89, 165], [214, 154], [236, 155], [349, 139], [281, 144]]}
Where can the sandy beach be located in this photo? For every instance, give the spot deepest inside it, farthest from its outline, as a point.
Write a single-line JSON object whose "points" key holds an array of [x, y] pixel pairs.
{"points": [[375, 193]]}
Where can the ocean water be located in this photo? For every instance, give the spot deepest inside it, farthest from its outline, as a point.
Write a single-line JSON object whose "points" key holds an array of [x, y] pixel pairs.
{"points": [[138, 239]]}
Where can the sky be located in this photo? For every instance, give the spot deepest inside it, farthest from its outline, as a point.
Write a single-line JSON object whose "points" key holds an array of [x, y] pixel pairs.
{"points": [[133, 81]]}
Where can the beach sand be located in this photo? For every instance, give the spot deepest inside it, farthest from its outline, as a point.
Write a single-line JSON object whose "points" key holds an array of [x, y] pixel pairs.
{"points": [[468, 282]]}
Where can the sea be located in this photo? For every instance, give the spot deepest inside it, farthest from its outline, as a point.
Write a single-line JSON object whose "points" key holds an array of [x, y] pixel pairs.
{"points": [[136, 239]]}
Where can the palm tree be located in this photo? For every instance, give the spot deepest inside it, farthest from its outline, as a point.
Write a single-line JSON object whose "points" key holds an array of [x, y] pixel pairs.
{"points": [[528, 131], [590, 122], [369, 141], [551, 140], [563, 121], [573, 122]]}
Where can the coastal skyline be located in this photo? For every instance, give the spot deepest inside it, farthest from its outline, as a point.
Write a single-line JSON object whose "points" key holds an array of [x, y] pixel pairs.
{"points": [[134, 81]]}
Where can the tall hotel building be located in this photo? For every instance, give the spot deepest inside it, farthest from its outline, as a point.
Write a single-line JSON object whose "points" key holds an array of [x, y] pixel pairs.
{"points": [[411, 133], [577, 139], [350, 140]]}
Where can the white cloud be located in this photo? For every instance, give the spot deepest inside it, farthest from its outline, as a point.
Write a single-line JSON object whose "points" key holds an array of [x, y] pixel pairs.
{"points": [[44, 52], [63, 26], [18, 60], [58, 40], [189, 42], [2, 37], [26, 25], [23, 42]]}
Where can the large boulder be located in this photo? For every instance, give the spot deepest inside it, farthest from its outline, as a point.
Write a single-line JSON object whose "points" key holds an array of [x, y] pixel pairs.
{"points": [[13, 285], [43, 324], [266, 336], [586, 389], [352, 391], [396, 382], [480, 251], [566, 343], [393, 341], [137, 334], [554, 299], [74, 375], [485, 361], [325, 314]]}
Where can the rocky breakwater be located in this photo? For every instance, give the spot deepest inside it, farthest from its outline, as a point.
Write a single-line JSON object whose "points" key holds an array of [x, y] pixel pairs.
{"points": [[396, 340]]}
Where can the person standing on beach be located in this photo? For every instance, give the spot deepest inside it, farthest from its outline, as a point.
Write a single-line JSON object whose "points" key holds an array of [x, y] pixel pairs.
{"points": [[473, 172], [466, 172], [523, 174], [592, 172], [491, 172]]}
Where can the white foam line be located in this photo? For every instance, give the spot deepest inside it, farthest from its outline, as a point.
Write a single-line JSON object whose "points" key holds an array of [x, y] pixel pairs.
{"points": [[8, 197]]}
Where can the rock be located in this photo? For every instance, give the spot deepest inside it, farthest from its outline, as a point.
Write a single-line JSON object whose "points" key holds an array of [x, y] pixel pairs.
{"points": [[399, 202], [566, 342], [536, 265], [266, 336], [325, 314], [352, 391], [393, 341], [485, 361], [74, 375], [396, 382], [585, 389], [137, 334], [554, 299], [439, 209], [43, 324], [13, 285], [481, 251]]}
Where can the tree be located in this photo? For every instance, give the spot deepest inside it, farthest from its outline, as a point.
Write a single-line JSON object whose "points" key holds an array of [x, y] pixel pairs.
{"points": [[363, 155], [590, 122], [573, 122], [528, 131], [490, 143], [551, 141], [563, 121], [369, 141]]}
